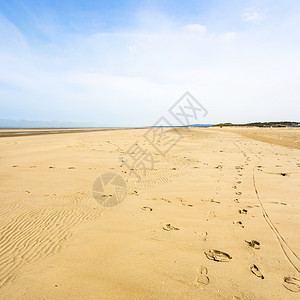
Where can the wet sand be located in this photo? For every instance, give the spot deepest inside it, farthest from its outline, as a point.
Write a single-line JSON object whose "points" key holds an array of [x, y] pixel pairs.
{"points": [[216, 217], [42, 131]]}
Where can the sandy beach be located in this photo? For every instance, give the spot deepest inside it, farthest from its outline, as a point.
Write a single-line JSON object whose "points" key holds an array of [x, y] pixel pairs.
{"points": [[215, 216]]}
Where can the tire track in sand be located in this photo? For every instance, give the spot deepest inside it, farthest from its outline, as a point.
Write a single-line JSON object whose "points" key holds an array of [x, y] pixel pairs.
{"points": [[291, 256]]}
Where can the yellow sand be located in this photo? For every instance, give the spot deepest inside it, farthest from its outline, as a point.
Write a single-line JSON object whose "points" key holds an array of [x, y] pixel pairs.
{"points": [[58, 242]]}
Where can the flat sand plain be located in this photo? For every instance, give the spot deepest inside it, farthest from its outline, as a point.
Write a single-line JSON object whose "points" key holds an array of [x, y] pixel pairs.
{"points": [[215, 189]]}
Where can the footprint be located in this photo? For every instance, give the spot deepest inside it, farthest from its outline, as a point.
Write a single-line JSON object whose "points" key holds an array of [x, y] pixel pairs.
{"points": [[211, 214], [239, 168], [239, 193], [166, 200], [169, 227], [254, 244], [275, 202], [238, 223], [147, 208], [217, 255], [210, 200], [236, 200], [292, 284], [243, 211], [254, 269], [105, 196], [71, 168], [51, 167], [202, 270], [202, 278], [203, 236]]}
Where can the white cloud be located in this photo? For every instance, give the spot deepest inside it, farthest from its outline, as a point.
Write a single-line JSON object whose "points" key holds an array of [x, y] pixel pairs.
{"points": [[253, 16], [132, 48], [229, 36], [196, 28]]}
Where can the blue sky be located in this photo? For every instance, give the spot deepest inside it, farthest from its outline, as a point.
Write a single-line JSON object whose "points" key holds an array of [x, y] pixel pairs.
{"points": [[126, 62]]}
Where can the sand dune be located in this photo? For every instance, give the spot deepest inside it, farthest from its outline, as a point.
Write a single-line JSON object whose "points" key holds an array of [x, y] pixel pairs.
{"points": [[216, 217], [288, 137]]}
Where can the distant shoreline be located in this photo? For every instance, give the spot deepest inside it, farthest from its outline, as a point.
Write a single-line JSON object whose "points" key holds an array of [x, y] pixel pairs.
{"points": [[16, 132]]}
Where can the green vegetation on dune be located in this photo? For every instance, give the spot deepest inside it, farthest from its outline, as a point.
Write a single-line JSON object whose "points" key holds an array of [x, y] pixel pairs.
{"points": [[262, 124]]}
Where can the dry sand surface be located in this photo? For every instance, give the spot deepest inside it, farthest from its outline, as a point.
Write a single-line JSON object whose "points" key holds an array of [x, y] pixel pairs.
{"points": [[216, 217]]}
